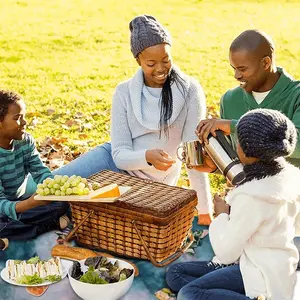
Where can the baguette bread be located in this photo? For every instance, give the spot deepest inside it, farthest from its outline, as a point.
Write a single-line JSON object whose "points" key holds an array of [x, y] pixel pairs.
{"points": [[77, 253], [72, 253]]}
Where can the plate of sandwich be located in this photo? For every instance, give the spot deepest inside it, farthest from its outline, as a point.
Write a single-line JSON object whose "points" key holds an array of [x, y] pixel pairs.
{"points": [[33, 272]]}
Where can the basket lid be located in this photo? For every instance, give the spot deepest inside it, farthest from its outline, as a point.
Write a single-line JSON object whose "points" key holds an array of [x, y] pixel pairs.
{"points": [[146, 196]]}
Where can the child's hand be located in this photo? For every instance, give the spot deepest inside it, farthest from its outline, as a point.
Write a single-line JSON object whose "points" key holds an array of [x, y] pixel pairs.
{"points": [[37, 202], [41, 202], [30, 203], [220, 206]]}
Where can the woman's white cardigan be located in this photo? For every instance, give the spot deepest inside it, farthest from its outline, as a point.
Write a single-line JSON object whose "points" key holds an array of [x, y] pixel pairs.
{"points": [[135, 129], [259, 232]]}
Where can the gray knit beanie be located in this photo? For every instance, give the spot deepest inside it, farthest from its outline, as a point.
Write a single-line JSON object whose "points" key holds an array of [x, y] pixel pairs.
{"points": [[146, 32], [266, 134]]}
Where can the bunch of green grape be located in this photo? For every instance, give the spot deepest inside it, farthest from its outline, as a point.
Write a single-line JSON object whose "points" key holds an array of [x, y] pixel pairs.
{"points": [[63, 186]]}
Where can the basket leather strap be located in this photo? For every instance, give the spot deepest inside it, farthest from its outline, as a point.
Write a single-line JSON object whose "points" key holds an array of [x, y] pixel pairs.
{"points": [[72, 232]]}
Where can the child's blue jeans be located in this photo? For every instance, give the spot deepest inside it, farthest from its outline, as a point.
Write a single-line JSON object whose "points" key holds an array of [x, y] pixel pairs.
{"points": [[33, 222], [200, 280]]}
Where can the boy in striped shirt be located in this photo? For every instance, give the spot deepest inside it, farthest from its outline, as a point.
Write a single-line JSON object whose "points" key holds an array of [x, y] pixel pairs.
{"points": [[22, 217]]}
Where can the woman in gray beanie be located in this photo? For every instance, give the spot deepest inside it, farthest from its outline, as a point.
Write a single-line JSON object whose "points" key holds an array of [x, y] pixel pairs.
{"points": [[152, 114], [255, 254]]}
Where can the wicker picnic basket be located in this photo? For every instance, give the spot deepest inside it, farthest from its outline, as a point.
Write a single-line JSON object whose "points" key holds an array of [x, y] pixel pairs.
{"points": [[150, 221]]}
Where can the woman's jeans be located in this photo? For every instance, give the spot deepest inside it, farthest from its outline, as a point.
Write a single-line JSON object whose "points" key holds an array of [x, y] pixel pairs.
{"points": [[91, 162], [200, 280], [94, 161]]}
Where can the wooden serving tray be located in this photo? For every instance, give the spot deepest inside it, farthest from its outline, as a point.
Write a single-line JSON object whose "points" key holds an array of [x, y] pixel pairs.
{"points": [[85, 198]]}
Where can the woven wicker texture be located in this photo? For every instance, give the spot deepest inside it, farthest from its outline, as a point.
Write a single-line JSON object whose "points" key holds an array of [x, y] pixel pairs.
{"points": [[162, 227], [147, 196]]}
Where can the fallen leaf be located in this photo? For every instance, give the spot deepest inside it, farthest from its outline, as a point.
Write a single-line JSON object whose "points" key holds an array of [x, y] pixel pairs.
{"points": [[50, 111], [83, 136], [56, 155], [78, 115], [70, 123], [56, 163], [60, 140]]}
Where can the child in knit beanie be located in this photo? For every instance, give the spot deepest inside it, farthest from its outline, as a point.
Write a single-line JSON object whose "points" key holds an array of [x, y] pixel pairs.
{"points": [[253, 242], [265, 136]]}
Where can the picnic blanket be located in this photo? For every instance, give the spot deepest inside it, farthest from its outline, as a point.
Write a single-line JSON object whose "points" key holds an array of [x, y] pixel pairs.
{"points": [[150, 281]]}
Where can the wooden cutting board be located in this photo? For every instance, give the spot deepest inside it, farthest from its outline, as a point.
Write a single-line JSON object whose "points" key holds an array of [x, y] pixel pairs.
{"points": [[85, 198]]}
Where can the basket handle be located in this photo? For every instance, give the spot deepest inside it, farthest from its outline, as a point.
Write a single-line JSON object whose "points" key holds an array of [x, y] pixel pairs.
{"points": [[169, 259], [72, 232]]}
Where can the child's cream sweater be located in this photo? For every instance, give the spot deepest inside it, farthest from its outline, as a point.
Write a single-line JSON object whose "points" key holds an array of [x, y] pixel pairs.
{"points": [[264, 218]]}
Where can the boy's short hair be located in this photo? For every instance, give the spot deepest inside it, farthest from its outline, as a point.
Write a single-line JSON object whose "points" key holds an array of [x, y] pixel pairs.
{"points": [[7, 98]]}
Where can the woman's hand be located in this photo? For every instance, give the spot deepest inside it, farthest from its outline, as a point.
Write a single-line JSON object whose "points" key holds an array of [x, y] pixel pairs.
{"points": [[205, 127], [160, 159], [220, 206]]}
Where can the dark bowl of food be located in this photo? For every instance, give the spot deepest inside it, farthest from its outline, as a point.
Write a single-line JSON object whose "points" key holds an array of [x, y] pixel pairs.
{"points": [[109, 278]]}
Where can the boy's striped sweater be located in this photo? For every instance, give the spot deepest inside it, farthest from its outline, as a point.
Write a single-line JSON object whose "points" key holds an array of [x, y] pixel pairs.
{"points": [[15, 165]]}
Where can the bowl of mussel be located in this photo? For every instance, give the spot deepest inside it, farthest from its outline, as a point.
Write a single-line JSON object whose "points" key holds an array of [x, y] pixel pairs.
{"points": [[101, 277]]}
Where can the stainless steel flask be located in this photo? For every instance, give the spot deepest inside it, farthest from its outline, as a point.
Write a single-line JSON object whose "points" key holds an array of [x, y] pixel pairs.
{"points": [[226, 159]]}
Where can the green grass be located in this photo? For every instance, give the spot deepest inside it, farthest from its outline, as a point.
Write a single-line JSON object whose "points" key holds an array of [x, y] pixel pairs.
{"points": [[68, 55]]}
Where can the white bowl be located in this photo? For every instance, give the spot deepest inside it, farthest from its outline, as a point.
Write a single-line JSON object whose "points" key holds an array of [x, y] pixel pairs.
{"points": [[110, 291]]}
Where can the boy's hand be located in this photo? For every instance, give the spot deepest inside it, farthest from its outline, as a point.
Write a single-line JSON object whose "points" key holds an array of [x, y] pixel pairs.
{"points": [[205, 127], [220, 206], [38, 202], [159, 159], [30, 203]]}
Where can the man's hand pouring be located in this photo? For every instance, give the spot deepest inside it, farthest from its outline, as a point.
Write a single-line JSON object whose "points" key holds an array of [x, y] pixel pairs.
{"points": [[207, 126]]}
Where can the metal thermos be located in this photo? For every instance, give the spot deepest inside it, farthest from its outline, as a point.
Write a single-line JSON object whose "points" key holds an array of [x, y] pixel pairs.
{"points": [[226, 159]]}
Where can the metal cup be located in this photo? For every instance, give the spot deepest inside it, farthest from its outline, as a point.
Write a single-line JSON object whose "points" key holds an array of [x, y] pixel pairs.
{"points": [[193, 153]]}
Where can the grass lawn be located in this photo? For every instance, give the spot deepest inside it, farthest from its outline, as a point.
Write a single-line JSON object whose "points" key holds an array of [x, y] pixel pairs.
{"points": [[67, 56]]}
